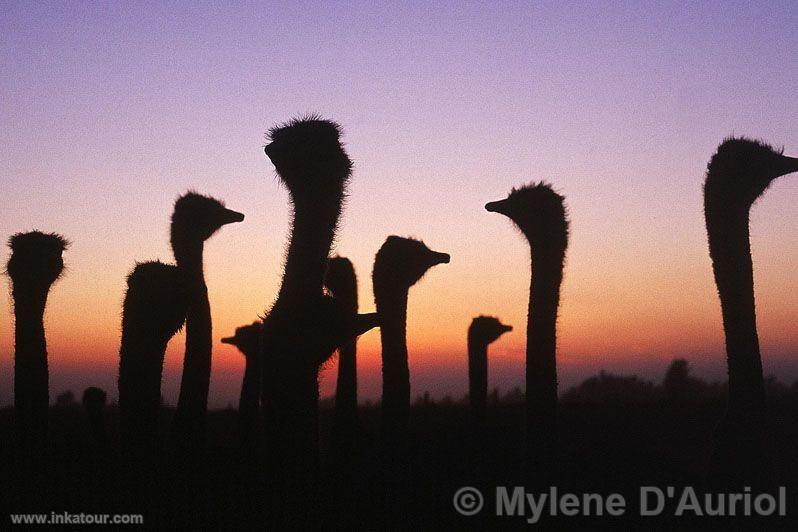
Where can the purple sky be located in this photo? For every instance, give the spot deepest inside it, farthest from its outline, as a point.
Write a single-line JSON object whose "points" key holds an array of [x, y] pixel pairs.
{"points": [[109, 110]]}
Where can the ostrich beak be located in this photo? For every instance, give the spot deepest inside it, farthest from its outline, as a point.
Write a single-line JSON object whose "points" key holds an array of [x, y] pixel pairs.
{"points": [[365, 322], [229, 217], [507, 328], [229, 340], [788, 165], [269, 149], [496, 206], [440, 258]]}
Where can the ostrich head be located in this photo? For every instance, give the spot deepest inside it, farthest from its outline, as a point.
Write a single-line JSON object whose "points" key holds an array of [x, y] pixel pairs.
{"points": [[340, 279], [403, 262], [156, 300], [741, 170], [308, 157], [196, 218], [94, 400], [36, 259], [538, 212], [487, 329], [246, 338], [333, 325]]}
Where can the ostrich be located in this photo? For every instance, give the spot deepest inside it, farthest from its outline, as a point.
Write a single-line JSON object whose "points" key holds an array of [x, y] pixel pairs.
{"points": [[195, 219], [540, 215], [341, 281], [738, 173], [94, 404], [399, 264], [247, 340], [36, 263], [153, 311], [484, 330], [304, 327]]}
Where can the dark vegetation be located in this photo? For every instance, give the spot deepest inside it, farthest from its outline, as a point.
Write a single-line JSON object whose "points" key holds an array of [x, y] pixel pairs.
{"points": [[616, 434]]}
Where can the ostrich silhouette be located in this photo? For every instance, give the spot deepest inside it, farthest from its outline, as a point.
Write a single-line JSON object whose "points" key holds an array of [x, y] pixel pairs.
{"points": [[35, 264], [247, 340], [304, 326], [540, 215], [483, 331], [194, 220], [94, 404], [153, 311], [341, 281], [399, 264], [737, 174]]}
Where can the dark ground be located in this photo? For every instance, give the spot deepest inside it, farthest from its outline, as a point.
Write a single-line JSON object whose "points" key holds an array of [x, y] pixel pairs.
{"points": [[606, 448]]}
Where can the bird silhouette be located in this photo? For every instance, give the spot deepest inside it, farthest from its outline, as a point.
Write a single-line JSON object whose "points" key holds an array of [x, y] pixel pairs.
{"points": [[247, 339], [341, 282], [195, 219], [304, 327], [737, 174], [539, 213], [483, 331], [36, 262], [399, 264]]}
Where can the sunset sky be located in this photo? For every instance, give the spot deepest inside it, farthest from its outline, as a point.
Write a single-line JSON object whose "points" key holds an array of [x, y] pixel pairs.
{"points": [[109, 111]]}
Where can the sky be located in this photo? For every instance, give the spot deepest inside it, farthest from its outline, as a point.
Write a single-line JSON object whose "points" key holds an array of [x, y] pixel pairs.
{"points": [[109, 111]]}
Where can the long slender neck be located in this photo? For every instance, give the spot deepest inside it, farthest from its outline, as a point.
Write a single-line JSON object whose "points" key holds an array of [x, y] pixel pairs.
{"points": [[249, 402], [392, 307], [189, 254], [250, 389], [141, 358], [312, 235], [541, 363], [29, 305], [730, 250], [192, 403], [477, 376], [346, 385], [31, 388]]}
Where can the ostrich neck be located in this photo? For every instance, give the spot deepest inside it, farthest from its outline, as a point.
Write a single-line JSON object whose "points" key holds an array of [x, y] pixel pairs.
{"points": [[31, 377], [392, 308], [312, 235], [188, 254], [141, 358], [141, 365], [477, 370], [250, 389], [541, 364], [732, 265], [346, 384], [193, 399], [29, 305]]}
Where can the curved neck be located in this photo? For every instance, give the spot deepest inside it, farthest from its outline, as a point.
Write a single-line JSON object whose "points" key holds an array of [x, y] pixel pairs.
{"points": [[312, 235], [730, 250]]}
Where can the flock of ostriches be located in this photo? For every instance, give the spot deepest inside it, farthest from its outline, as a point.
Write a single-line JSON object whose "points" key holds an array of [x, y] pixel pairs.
{"points": [[316, 313]]}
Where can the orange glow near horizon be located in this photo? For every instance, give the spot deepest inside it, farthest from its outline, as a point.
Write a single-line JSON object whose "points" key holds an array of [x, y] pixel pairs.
{"points": [[109, 114]]}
